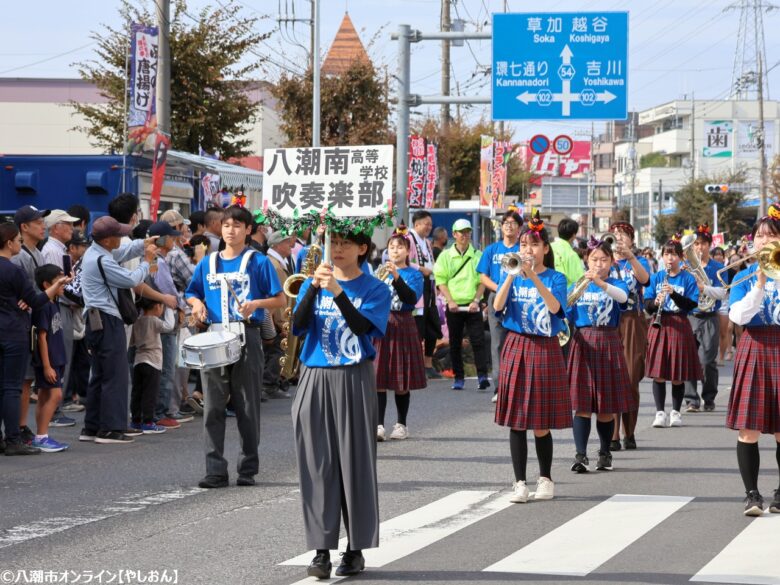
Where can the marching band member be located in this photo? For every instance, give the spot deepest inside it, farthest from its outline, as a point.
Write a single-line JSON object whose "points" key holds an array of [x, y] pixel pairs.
{"points": [[635, 273], [340, 310], [399, 361], [491, 274], [253, 279], [671, 347], [533, 387], [754, 405], [598, 375], [706, 326]]}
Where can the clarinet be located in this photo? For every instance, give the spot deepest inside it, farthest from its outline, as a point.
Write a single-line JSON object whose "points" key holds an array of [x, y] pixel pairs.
{"points": [[657, 319]]}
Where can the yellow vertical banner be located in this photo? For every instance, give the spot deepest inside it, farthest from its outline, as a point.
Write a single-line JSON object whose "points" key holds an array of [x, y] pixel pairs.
{"points": [[486, 171]]}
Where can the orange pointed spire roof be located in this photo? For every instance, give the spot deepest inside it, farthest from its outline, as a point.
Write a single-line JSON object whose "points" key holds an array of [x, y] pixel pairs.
{"points": [[346, 48]]}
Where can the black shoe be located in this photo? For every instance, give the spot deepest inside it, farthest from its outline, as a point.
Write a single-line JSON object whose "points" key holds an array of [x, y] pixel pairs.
{"points": [[628, 443], [2, 446], [432, 374], [754, 504], [26, 435], [113, 438], [774, 507], [87, 435], [709, 406], [213, 481], [605, 461], [320, 566], [615, 446], [580, 464], [185, 408], [352, 563], [245, 480], [20, 449]]}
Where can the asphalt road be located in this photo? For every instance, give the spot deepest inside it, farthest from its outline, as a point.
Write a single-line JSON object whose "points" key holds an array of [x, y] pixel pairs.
{"points": [[443, 503]]}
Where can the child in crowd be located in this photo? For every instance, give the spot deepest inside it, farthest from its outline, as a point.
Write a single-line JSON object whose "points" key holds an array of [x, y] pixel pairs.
{"points": [[48, 360], [148, 363]]}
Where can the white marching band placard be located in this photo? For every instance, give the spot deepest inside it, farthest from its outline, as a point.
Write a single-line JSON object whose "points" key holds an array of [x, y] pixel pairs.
{"points": [[350, 181]]}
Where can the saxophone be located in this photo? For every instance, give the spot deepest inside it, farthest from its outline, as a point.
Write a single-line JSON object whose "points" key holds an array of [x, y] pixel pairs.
{"points": [[292, 344]]}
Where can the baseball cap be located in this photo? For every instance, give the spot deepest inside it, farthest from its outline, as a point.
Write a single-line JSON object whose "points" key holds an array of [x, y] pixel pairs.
{"points": [[77, 239], [460, 225], [174, 218], [277, 237], [58, 215], [163, 228], [28, 213], [107, 226]]}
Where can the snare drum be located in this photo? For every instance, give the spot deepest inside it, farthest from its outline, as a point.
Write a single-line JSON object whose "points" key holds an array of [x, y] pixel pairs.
{"points": [[212, 349]]}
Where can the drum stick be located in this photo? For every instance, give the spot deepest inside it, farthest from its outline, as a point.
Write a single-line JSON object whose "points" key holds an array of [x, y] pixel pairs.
{"points": [[235, 296]]}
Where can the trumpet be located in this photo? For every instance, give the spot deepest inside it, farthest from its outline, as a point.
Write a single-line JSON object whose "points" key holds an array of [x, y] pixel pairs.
{"points": [[768, 262], [609, 238], [512, 263]]}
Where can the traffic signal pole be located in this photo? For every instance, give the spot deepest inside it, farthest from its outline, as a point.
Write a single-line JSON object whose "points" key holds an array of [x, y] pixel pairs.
{"points": [[406, 100]]}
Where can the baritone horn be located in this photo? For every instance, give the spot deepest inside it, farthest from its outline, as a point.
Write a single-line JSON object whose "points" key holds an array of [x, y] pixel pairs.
{"points": [[768, 262]]}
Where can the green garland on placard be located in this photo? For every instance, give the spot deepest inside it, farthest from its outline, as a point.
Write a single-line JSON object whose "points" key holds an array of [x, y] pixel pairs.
{"points": [[312, 219]]}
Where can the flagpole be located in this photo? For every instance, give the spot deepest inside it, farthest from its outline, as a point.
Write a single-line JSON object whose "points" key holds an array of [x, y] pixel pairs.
{"points": [[124, 131]]}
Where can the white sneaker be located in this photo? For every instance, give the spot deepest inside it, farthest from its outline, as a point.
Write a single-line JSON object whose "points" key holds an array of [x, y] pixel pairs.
{"points": [[399, 432], [675, 419], [660, 419], [520, 493], [544, 489], [495, 398], [380, 434]]}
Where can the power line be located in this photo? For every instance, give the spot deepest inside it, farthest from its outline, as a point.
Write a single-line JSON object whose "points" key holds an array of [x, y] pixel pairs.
{"points": [[52, 58]]}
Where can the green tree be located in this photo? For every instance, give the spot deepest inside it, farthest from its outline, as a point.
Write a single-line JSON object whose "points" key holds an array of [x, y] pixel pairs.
{"points": [[653, 159], [354, 107], [694, 206], [210, 104]]}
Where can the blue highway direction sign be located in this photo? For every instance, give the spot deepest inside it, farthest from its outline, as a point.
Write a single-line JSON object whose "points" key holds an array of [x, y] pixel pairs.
{"points": [[560, 65]]}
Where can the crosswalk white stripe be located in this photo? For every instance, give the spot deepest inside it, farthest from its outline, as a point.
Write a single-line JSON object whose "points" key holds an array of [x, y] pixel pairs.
{"points": [[752, 557], [410, 532], [584, 543]]}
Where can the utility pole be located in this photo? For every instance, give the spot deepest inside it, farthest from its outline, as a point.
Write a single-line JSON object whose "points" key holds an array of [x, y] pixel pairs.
{"points": [[315, 51], [444, 179], [632, 162], [762, 145], [501, 123], [163, 91], [693, 139]]}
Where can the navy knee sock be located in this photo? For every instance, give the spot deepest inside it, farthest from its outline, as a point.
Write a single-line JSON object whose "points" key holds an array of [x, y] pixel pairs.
{"points": [[678, 393], [402, 405], [544, 453], [659, 395], [749, 462], [518, 448], [581, 429], [605, 430], [382, 403]]}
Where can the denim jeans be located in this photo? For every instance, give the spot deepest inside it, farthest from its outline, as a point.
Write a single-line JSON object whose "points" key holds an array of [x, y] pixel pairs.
{"points": [[168, 376]]}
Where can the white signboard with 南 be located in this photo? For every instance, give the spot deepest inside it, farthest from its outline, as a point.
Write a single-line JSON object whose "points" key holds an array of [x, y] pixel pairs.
{"points": [[718, 139], [350, 181]]}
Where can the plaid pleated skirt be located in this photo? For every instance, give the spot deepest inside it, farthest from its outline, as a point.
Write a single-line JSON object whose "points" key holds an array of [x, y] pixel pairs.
{"points": [[598, 376], [533, 387], [755, 393], [399, 364], [671, 351]]}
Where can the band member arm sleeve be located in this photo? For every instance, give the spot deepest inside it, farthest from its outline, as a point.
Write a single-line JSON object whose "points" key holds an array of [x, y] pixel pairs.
{"points": [[651, 306], [616, 293], [743, 310], [305, 308], [406, 294], [357, 323], [716, 292], [684, 303]]}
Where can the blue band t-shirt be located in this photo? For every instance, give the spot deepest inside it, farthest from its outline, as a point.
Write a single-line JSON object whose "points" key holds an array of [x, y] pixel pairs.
{"points": [[623, 270], [595, 308], [683, 283], [413, 279], [525, 311], [490, 263], [711, 270], [329, 341], [769, 314], [259, 282]]}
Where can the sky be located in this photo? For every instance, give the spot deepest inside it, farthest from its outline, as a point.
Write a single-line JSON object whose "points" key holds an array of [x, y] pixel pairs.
{"points": [[675, 46]]}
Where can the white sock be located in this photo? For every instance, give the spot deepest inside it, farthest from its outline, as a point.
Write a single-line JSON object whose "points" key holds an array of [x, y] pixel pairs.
{"points": [[41, 437]]}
